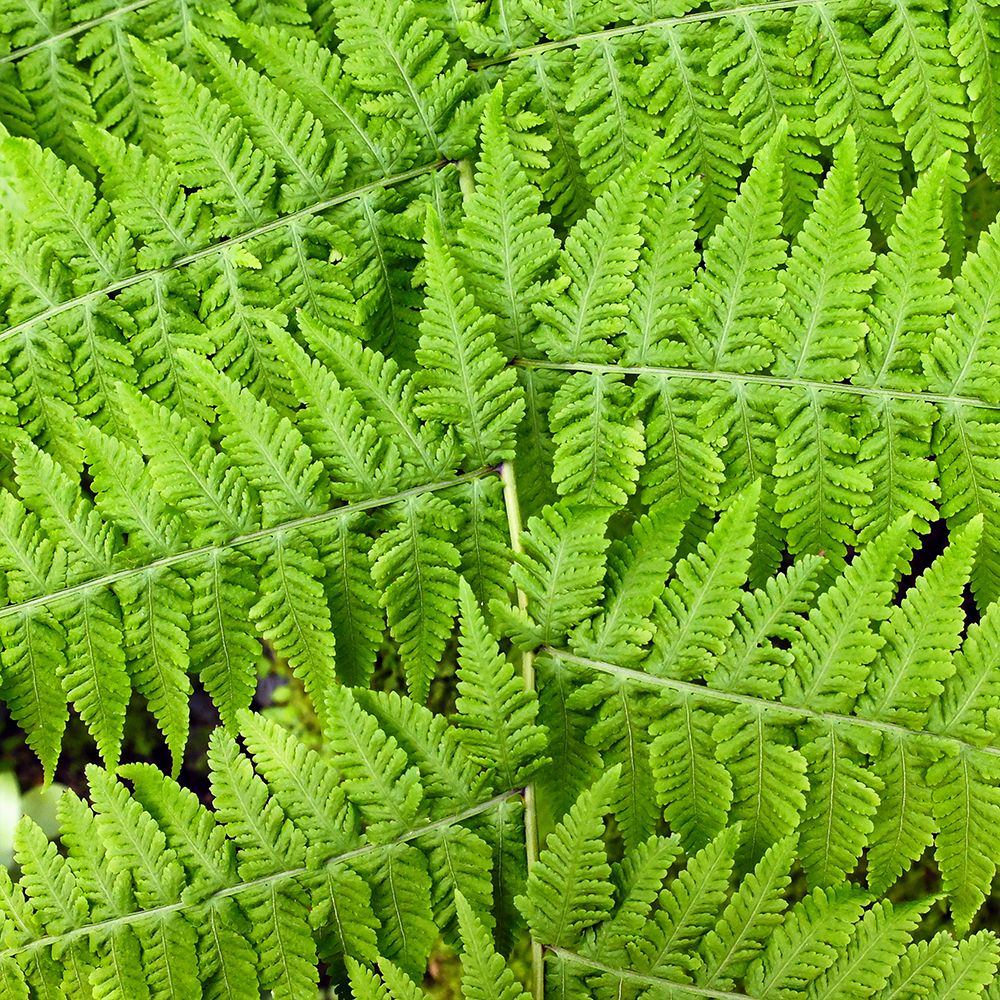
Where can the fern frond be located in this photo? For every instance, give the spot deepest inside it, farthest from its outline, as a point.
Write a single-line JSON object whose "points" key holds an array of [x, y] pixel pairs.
{"points": [[614, 129], [738, 289], [686, 912], [485, 975], [311, 72], [829, 39], [695, 614], [394, 54], [704, 141], [292, 613], [280, 127], [386, 393], [65, 209], [266, 446], [413, 564], [496, 717], [692, 787], [638, 566], [751, 916], [598, 440], [974, 41], [657, 323], [923, 87], [189, 473], [146, 195], [762, 85], [835, 647], [156, 606]]}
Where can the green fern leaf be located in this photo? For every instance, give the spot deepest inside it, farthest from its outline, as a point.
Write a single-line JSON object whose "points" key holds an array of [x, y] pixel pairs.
{"points": [[485, 975], [292, 613], [156, 605], [751, 663], [268, 842], [599, 256], [147, 195], [598, 441], [751, 916], [464, 382], [738, 288], [657, 322], [279, 126], [394, 54], [833, 653], [669, 949], [702, 136], [619, 731], [496, 715], [921, 634], [975, 43], [638, 878], [876, 945], [209, 145], [560, 571], [223, 641], [385, 392], [303, 783], [125, 493], [841, 804], [768, 777], [266, 446], [613, 128], [828, 38], [375, 770], [447, 772], [190, 474], [413, 564], [806, 944], [505, 247], [307, 69], [694, 617], [568, 888], [638, 566], [693, 788]]}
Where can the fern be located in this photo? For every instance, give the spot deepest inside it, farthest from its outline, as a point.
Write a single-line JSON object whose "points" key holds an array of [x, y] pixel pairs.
{"points": [[305, 302]]}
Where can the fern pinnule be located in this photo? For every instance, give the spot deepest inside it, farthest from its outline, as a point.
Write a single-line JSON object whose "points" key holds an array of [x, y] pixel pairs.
{"points": [[599, 256], [568, 889], [514, 748], [505, 247], [313, 168], [469, 376]]}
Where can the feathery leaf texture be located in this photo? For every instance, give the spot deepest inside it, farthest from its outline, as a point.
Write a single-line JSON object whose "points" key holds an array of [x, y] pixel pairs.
{"points": [[277, 307]]}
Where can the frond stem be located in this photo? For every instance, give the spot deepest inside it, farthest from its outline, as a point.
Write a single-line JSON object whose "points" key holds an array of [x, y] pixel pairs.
{"points": [[235, 890], [180, 557], [279, 223], [513, 508], [650, 681], [634, 29], [740, 378], [701, 991]]}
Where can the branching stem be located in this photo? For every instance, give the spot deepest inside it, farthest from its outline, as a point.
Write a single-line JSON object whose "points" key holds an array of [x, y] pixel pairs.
{"points": [[528, 673]]}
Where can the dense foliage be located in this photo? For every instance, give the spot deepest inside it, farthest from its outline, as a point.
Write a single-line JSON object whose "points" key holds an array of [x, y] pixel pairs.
{"points": [[636, 361]]}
